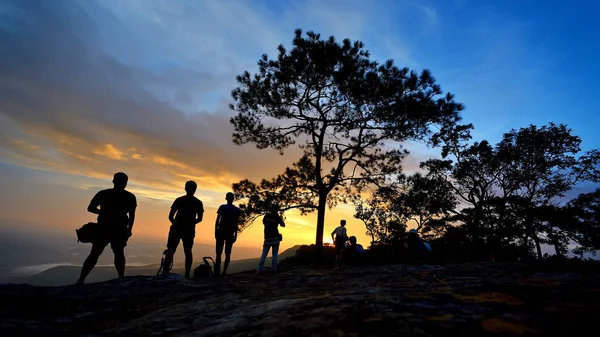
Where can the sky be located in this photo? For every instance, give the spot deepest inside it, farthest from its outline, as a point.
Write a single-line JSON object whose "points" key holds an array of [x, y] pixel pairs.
{"points": [[92, 87]]}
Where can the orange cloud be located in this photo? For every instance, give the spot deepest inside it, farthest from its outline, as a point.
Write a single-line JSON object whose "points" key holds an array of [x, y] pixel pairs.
{"points": [[24, 145], [167, 162], [110, 151]]}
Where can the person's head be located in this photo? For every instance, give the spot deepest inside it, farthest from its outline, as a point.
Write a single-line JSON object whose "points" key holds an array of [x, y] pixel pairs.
{"points": [[412, 233], [120, 180], [353, 240], [190, 187], [343, 223], [274, 208], [229, 197]]}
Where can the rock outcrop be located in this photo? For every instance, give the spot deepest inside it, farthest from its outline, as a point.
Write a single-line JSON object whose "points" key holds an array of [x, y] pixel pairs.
{"points": [[402, 300]]}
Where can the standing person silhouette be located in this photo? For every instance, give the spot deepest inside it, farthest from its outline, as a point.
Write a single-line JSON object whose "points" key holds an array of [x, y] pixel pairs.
{"points": [[271, 221], [116, 214], [341, 236], [226, 228], [186, 212]]}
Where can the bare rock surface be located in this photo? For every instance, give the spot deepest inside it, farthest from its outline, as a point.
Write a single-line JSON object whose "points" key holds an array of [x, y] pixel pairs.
{"points": [[400, 300]]}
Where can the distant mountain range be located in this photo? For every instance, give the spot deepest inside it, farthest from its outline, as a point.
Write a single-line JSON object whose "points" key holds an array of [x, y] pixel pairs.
{"points": [[65, 275]]}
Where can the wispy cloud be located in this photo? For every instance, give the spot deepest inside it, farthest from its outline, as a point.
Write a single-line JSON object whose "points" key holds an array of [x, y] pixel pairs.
{"points": [[429, 12], [92, 87]]}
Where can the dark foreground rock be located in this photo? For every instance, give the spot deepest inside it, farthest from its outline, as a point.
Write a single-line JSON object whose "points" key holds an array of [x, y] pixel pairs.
{"points": [[473, 299]]}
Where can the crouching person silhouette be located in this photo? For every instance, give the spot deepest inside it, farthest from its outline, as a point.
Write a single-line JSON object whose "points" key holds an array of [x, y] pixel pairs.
{"points": [[226, 229], [272, 221], [186, 212], [116, 214], [353, 254]]}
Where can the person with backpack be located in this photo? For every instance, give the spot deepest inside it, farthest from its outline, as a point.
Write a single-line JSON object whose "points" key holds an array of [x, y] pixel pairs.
{"points": [[341, 236], [271, 221], [186, 212], [226, 229], [116, 214]]}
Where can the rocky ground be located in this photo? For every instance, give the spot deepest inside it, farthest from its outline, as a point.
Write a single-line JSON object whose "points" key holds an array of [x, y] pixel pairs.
{"points": [[402, 300]]}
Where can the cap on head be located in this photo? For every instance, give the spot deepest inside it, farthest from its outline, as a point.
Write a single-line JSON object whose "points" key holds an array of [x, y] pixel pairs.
{"points": [[274, 208], [191, 186], [120, 180], [229, 196], [343, 222], [413, 231]]}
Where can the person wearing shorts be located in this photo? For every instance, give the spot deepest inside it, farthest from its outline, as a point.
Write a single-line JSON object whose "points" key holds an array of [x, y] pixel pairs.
{"points": [[226, 229], [116, 214], [186, 212]]}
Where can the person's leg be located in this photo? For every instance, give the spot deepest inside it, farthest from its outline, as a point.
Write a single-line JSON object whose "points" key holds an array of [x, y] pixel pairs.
{"points": [[275, 254], [172, 243], [91, 260], [263, 256], [342, 258], [220, 244], [338, 250], [189, 260], [228, 248], [188, 243], [337, 254], [119, 260]]}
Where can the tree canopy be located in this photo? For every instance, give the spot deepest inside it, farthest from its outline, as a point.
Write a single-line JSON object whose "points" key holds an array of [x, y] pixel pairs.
{"points": [[349, 116], [346, 112], [513, 191]]}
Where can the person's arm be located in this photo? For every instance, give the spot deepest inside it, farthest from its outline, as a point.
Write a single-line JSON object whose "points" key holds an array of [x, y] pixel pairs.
{"points": [[173, 211], [132, 215], [200, 213], [281, 223], [217, 220], [235, 232], [172, 215], [237, 224], [93, 206], [332, 233], [217, 224], [131, 219]]}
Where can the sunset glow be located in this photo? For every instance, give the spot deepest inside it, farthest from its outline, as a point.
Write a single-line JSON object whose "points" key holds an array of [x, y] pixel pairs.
{"points": [[90, 88]]}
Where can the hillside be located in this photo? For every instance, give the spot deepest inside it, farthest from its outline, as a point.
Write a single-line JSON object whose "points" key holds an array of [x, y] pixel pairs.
{"points": [[401, 300]]}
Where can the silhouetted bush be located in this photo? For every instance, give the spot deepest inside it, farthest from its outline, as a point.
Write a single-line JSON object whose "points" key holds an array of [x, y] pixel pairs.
{"points": [[305, 256]]}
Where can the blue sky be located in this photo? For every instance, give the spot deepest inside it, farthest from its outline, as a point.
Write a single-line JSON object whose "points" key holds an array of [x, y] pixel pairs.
{"points": [[91, 87]]}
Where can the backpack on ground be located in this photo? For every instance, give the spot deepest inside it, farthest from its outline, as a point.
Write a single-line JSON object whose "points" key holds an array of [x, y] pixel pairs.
{"points": [[162, 263], [88, 232], [204, 269]]}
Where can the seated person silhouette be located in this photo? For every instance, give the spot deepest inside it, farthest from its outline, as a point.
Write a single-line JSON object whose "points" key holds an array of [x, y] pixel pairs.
{"points": [[186, 212], [116, 213], [416, 247], [353, 254], [226, 229]]}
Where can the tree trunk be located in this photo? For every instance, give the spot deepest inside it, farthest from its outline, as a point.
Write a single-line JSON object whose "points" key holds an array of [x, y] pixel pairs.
{"points": [[557, 249], [322, 206]]}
